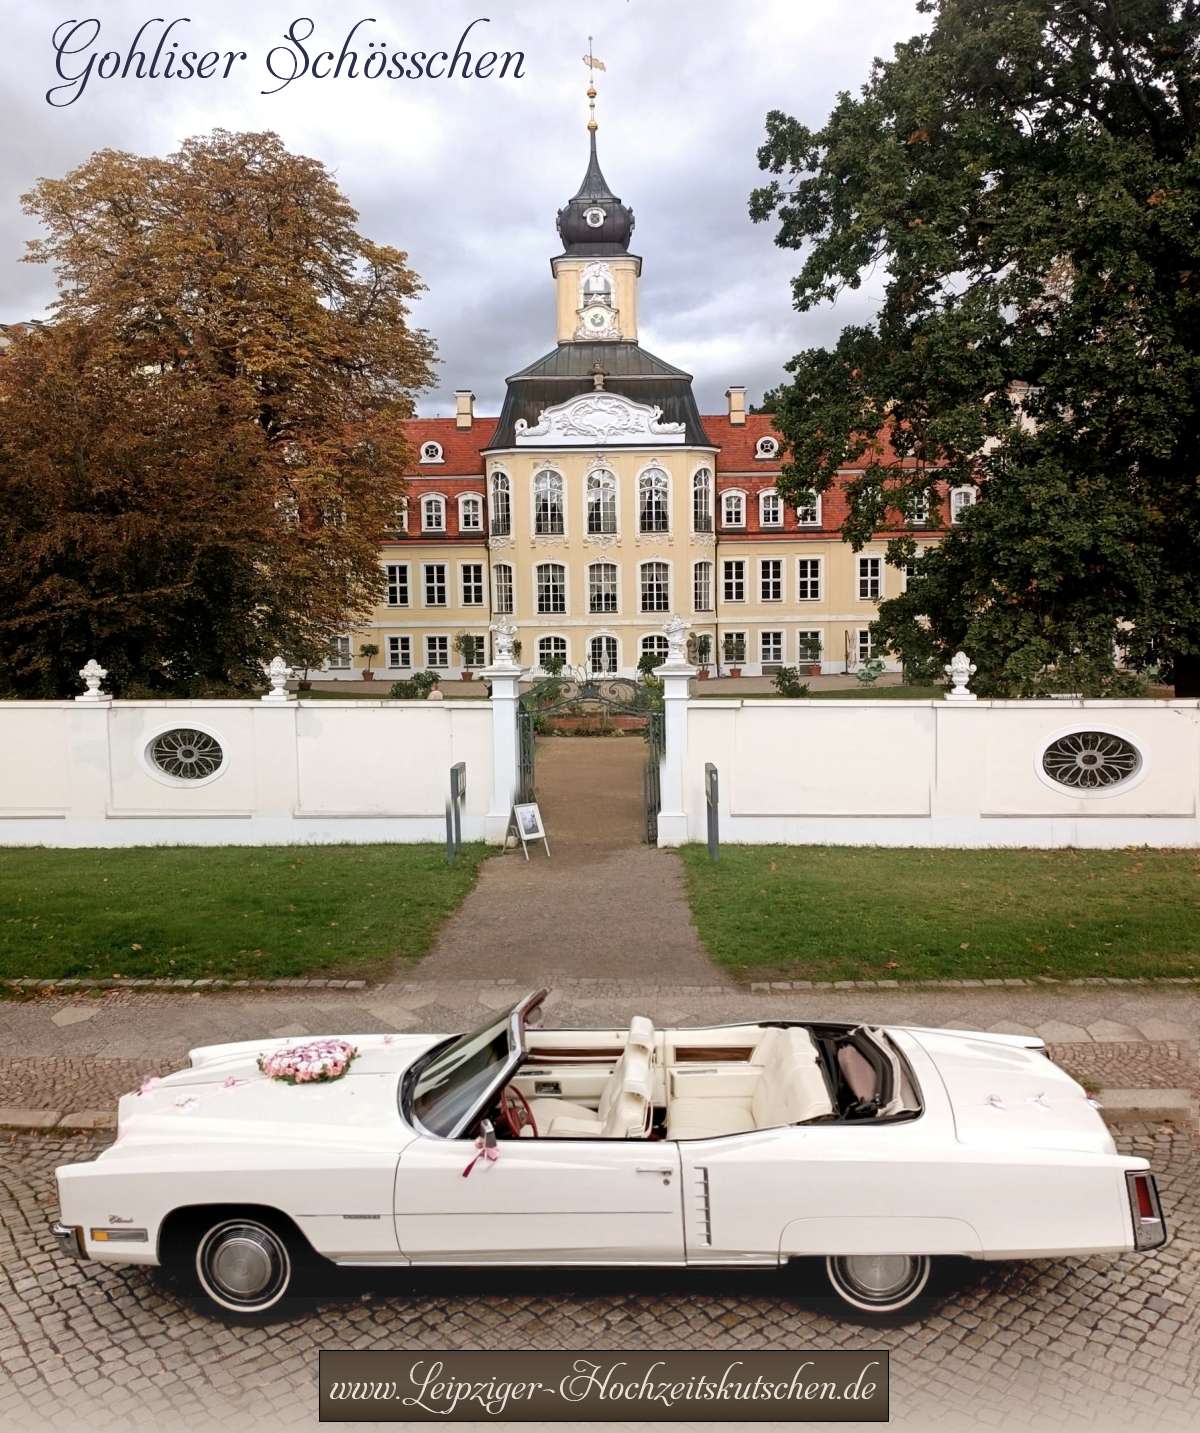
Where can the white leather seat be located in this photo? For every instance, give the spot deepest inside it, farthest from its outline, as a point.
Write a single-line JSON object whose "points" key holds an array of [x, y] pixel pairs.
{"points": [[790, 1088], [625, 1101]]}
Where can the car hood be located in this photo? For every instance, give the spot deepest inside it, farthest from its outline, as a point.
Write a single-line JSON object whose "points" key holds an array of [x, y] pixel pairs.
{"points": [[1004, 1092], [223, 1096]]}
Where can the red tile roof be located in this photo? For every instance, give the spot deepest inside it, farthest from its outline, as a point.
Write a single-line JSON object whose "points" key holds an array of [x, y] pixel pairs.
{"points": [[461, 447]]}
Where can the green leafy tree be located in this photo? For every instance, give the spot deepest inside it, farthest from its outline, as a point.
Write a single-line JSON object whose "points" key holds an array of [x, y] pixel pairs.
{"points": [[197, 456], [1024, 181]]}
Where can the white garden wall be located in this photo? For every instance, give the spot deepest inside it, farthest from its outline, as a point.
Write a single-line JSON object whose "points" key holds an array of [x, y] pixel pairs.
{"points": [[938, 773], [80, 773]]}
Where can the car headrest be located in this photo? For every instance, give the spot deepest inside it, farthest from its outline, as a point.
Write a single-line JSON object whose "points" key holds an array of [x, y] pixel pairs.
{"points": [[641, 1034]]}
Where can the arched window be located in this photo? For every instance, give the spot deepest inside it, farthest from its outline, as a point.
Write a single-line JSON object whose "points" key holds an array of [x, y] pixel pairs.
{"points": [[470, 513], [702, 587], [770, 509], [552, 653], [597, 285], [602, 587], [550, 579], [702, 518], [766, 447], [433, 514], [656, 644], [960, 500], [548, 519], [501, 505], [733, 509], [432, 453], [502, 589], [656, 587], [601, 501], [602, 654], [653, 501]]}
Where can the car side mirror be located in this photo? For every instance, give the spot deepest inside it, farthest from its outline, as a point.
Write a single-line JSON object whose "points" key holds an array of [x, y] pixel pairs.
{"points": [[487, 1132]]}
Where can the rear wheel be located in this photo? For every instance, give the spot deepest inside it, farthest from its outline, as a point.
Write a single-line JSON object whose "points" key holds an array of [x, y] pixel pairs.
{"points": [[244, 1264], [878, 1283]]}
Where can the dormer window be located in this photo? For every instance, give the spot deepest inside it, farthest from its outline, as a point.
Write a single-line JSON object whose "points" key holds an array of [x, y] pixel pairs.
{"points": [[770, 509], [433, 514], [432, 453], [733, 509], [766, 447]]}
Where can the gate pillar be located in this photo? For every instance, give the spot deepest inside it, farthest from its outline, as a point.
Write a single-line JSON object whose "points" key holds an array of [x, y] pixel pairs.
{"points": [[676, 674], [505, 676]]}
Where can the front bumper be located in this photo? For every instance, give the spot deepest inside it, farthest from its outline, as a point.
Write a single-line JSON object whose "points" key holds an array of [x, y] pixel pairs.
{"points": [[69, 1238]]}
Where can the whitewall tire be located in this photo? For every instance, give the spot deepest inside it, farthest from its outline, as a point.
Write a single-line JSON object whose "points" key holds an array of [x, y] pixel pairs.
{"points": [[878, 1283], [244, 1265]]}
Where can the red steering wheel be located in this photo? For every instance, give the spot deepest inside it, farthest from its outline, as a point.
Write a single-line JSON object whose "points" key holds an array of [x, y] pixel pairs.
{"points": [[514, 1108]]}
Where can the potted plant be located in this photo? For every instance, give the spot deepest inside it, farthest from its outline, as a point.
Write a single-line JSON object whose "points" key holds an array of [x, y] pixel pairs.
{"points": [[703, 653], [464, 645], [735, 653], [369, 651], [647, 663]]}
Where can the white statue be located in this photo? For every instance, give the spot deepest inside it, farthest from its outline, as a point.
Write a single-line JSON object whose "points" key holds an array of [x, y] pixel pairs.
{"points": [[278, 673], [960, 669], [506, 636], [676, 629], [93, 674]]}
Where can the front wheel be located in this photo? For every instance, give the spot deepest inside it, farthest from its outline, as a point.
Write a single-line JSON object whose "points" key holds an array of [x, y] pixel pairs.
{"points": [[245, 1265], [878, 1283]]}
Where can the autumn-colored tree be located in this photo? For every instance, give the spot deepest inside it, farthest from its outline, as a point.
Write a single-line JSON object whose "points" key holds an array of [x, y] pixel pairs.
{"points": [[199, 453]]}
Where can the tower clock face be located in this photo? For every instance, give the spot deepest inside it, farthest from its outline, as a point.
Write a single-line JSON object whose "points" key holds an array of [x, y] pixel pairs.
{"points": [[593, 217], [598, 320]]}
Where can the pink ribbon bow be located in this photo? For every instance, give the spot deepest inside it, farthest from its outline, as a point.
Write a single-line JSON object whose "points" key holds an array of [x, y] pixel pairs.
{"points": [[482, 1152]]}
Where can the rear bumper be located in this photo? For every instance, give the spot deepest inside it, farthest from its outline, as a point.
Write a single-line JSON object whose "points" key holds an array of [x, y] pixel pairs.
{"points": [[69, 1238]]}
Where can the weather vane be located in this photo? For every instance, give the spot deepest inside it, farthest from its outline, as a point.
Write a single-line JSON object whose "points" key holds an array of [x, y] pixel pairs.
{"points": [[593, 65]]}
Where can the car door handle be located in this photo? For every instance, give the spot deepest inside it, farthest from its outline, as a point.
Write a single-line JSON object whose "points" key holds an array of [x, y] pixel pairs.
{"points": [[665, 1170]]}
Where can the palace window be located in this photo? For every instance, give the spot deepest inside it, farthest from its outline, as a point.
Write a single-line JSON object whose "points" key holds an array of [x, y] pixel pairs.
{"points": [[771, 648], [960, 500], [808, 579], [601, 501], [602, 654], [918, 510], [656, 645], [437, 651], [865, 645], [435, 584], [397, 584], [734, 582], [702, 587], [472, 584], [502, 588], [433, 514], [399, 651], [432, 453], [870, 579], [912, 570], [733, 648], [733, 509], [656, 587], [770, 510], [501, 505], [770, 571], [548, 515], [809, 514], [808, 646], [470, 514], [339, 654], [399, 522], [702, 519], [551, 578], [475, 654], [602, 587], [653, 491], [552, 651]]}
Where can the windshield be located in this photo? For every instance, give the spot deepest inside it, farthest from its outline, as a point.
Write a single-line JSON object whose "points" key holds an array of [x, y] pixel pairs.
{"points": [[459, 1075]]}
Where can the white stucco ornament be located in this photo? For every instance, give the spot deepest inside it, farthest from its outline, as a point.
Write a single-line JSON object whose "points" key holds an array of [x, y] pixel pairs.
{"points": [[598, 417], [93, 674], [960, 669], [278, 673], [506, 636], [676, 630]]}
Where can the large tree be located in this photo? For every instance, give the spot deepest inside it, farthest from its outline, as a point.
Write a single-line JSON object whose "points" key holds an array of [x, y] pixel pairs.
{"points": [[1024, 181], [199, 452]]}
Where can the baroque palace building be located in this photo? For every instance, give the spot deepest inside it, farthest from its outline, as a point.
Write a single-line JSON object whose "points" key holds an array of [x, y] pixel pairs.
{"points": [[601, 501]]}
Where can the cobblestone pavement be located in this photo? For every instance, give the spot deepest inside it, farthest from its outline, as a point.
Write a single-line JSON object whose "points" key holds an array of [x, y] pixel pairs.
{"points": [[1043, 1345]]}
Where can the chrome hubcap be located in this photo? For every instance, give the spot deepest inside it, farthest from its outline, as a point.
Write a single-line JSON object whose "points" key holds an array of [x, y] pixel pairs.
{"points": [[879, 1276], [243, 1265]]}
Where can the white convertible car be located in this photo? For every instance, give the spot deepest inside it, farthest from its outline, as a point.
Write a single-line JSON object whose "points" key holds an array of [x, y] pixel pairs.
{"points": [[740, 1146]]}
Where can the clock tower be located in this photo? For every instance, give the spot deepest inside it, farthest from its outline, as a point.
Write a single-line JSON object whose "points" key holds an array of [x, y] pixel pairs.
{"points": [[596, 275]]}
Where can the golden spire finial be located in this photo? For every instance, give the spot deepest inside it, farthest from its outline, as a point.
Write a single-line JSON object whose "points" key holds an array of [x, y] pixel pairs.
{"points": [[593, 65]]}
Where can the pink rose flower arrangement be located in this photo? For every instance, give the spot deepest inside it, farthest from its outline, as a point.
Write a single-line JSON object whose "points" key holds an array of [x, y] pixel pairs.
{"points": [[314, 1062]]}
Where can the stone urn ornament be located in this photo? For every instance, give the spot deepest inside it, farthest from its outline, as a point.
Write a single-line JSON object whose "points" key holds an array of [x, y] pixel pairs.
{"points": [[960, 669]]}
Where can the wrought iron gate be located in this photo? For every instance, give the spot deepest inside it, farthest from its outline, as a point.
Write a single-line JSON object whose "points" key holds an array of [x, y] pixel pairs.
{"points": [[589, 697]]}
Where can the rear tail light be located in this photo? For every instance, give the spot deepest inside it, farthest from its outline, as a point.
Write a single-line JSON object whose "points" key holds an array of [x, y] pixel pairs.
{"points": [[1149, 1226]]}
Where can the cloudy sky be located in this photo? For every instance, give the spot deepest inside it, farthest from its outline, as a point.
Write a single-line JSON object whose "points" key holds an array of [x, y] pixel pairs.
{"points": [[467, 175]]}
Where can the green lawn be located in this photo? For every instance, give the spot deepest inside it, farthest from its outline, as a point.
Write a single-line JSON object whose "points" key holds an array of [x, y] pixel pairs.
{"points": [[238, 912], [855, 913], [826, 694]]}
